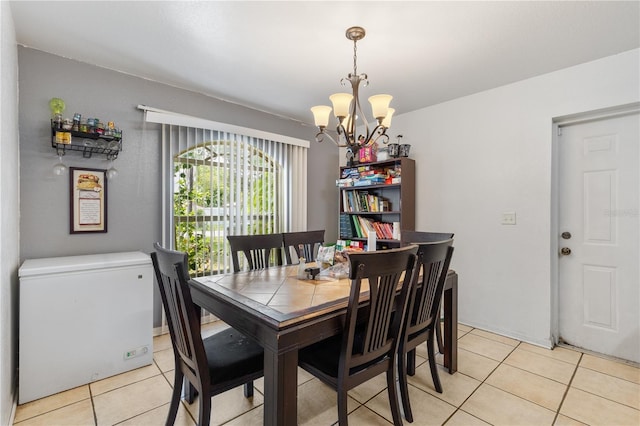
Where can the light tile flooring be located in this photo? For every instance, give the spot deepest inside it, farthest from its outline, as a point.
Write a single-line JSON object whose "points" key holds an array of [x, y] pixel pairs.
{"points": [[500, 381]]}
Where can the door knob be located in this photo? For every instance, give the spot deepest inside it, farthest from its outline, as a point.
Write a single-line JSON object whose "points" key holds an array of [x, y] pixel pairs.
{"points": [[566, 235], [565, 251]]}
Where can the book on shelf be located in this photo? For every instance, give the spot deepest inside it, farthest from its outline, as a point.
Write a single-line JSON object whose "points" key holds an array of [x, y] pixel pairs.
{"points": [[355, 202], [356, 226], [364, 231], [363, 201], [345, 202], [363, 198], [363, 226], [346, 226], [396, 230]]}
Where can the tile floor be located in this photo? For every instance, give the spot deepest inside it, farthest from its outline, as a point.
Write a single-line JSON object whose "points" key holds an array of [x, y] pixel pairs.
{"points": [[500, 381]]}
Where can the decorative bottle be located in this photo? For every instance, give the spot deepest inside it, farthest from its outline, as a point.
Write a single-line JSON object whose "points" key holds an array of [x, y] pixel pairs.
{"points": [[302, 265]]}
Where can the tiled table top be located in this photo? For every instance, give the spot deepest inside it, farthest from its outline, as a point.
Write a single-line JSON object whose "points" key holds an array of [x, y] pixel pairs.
{"points": [[280, 289]]}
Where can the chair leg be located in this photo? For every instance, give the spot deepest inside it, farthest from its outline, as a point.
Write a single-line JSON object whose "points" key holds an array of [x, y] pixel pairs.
{"points": [[191, 391], [204, 410], [432, 363], [248, 389], [411, 362], [175, 397], [393, 395], [404, 388], [342, 407]]}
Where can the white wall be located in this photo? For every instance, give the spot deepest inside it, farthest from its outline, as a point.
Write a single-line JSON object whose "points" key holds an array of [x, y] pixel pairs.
{"points": [[9, 211], [489, 153]]}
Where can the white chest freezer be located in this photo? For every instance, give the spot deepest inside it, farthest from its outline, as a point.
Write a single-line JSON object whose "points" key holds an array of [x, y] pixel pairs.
{"points": [[82, 319]]}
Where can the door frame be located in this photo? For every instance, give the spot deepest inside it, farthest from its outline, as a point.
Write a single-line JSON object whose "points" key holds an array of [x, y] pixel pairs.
{"points": [[557, 123]]}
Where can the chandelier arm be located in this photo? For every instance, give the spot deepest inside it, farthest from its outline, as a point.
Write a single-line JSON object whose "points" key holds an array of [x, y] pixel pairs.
{"points": [[356, 108], [323, 133], [381, 132], [342, 131]]}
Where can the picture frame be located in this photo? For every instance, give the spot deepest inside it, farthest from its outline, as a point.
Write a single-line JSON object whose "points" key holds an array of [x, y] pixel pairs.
{"points": [[88, 195]]}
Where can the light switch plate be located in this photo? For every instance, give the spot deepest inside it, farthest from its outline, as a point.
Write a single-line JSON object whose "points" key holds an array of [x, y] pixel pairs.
{"points": [[509, 218]]}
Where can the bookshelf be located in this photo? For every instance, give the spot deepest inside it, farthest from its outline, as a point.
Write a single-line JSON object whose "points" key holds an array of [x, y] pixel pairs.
{"points": [[377, 196]]}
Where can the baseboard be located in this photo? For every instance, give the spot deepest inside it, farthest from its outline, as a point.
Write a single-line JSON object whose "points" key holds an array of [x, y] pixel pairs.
{"points": [[164, 329], [544, 343], [159, 331], [14, 407]]}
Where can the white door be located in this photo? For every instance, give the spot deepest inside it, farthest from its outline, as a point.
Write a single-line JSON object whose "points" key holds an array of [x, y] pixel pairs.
{"points": [[599, 280]]}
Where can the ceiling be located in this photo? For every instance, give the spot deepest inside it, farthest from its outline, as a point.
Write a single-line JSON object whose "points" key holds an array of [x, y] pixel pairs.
{"points": [[284, 57]]}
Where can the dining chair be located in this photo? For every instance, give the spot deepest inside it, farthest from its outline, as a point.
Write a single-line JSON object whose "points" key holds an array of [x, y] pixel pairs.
{"points": [[409, 237], [214, 365], [423, 314], [368, 343], [308, 240], [258, 250]]}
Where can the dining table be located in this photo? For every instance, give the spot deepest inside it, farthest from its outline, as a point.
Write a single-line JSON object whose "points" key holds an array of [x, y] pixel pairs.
{"points": [[284, 313]]}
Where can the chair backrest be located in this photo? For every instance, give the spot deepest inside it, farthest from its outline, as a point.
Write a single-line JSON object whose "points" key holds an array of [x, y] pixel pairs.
{"points": [[309, 240], [434, 259], [408, 237], [385, 270], [182, 318], [257, 249]]}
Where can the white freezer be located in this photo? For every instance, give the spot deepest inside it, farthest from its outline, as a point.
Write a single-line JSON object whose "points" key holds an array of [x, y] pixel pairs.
{"points": [[82, 319]]}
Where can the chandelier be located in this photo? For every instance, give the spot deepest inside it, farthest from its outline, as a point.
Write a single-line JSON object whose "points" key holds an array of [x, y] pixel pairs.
{"points": [[347, 109]]}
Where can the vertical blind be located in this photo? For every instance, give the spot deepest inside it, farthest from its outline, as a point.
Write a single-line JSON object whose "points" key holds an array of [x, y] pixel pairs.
{"points": [[221, 180]]}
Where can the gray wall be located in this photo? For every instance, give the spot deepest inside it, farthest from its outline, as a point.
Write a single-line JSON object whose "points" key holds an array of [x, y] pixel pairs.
{"points": [[9, 212], [39, 226], [134, 196]]}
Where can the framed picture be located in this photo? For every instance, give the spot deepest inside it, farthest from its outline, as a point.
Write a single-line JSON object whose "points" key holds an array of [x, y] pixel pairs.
{"points": [[88, 190]]}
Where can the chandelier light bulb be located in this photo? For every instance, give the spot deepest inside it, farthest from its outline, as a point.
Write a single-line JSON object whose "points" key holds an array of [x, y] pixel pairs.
{"points": [[321, 115], [341, 103], [380, 106], [387, 119]]}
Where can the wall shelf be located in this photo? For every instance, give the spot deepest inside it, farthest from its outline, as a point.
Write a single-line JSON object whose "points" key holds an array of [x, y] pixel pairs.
{"points": [[86, 143]]}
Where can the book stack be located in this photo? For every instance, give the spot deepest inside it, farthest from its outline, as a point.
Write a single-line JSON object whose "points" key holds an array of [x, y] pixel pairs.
{"points": [[363, 226], [363, 201], [342, 183], [346, 227], [369, 175]]}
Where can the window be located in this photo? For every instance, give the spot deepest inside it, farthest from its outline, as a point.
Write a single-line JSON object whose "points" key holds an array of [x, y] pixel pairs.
{"points": [[224, 187], [223, 180]]}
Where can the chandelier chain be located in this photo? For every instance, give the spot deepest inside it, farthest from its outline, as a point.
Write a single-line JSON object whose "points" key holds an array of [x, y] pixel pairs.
{"points": [[355, 57]]}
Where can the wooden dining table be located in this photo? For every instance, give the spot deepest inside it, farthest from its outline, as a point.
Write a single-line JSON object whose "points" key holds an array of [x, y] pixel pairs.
{"points": [[283, 314]]}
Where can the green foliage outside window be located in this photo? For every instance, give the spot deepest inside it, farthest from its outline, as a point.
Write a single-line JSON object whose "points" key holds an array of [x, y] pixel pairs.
{"points": [[203, 191], [187, 233]]}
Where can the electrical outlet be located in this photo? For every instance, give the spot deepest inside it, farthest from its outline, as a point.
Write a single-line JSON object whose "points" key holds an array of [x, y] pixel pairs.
{"points": [[136, 352], [509, 218]]}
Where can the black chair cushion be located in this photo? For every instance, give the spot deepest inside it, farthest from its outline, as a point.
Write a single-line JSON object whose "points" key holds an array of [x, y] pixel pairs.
{"points": [[231, 354], [325, 355]]}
